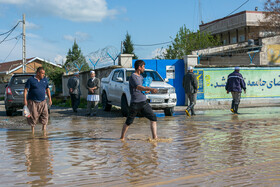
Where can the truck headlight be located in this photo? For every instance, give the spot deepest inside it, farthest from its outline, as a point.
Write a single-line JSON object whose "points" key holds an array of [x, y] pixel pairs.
{"points": [[171, 90]]}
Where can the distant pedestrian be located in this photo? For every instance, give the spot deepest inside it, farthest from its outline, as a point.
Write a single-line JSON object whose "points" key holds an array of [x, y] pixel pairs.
{"points": [[190, 86], [35, 99], [93, 85], [74, 91], [139, 100], [235, 84]]}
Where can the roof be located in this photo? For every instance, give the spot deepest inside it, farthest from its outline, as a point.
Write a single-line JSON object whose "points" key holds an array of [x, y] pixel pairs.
{"points": [[239, 13], [9, 67]]}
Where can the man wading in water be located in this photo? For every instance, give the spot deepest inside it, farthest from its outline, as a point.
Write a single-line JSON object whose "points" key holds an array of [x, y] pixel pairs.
{"points": [[139, 100]]}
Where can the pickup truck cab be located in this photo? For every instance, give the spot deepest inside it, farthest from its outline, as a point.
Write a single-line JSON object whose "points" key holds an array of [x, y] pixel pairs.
{"points": [[115, 91]]}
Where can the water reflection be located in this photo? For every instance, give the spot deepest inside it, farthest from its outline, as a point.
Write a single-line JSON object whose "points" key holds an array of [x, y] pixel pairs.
{"points": [[211, 149], [39, 160], [139, 161]]}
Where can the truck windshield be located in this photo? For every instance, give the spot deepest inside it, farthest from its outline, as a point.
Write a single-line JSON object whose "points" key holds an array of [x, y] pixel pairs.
{"points": [[153, 74]]}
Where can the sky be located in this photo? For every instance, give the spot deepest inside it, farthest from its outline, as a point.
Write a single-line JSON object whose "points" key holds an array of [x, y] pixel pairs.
{"points": [[52, 25]]}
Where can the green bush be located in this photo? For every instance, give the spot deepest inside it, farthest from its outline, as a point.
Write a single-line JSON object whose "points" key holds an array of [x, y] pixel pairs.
{"points": [[2, 98], [67, 103]]}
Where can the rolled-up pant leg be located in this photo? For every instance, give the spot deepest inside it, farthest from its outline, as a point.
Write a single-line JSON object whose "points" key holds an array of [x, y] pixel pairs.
{"points": [[38, 112]]}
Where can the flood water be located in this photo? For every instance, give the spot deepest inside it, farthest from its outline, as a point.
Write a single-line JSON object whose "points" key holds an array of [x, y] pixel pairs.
{"points": [[213, 148]]}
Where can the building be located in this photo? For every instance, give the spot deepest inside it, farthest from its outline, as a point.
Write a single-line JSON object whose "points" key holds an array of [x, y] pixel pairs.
{"points": [[245, 40], [7, 69]]}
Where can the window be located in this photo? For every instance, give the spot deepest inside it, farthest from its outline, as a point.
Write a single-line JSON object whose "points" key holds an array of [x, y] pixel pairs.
{"points": [[121, 75], [233, 40], [241, 38], [153, 74], [114, 78]]}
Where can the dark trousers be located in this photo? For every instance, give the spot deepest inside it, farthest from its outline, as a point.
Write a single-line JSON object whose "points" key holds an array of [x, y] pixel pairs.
{"points": [[142, 107], [75, 101], [191, 101]]}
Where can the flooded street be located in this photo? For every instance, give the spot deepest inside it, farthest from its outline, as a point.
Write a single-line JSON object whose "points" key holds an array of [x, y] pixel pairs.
{"points": [[213, 148]]}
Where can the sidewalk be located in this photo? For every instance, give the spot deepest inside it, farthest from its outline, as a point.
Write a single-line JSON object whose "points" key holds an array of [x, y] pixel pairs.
{"points": [[226, 104]]}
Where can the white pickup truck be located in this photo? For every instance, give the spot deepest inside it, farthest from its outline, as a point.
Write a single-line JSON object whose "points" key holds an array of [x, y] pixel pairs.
{"points": [[115, 91]]}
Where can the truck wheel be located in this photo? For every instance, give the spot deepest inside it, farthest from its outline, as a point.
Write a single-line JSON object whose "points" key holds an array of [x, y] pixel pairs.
{"points": [[169, 111], [124, 106], [105, 105]]}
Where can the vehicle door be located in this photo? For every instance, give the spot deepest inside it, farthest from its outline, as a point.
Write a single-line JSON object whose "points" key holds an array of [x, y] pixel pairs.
{"points": [[112, 87], [119, 86]]}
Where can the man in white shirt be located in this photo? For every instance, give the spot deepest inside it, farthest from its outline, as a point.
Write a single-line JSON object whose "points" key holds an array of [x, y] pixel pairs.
{"points": [[93, 85]]}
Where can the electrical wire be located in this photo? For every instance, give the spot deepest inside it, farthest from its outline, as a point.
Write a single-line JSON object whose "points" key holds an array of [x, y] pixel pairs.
{"points": [[11, 29], [18, 38], [10, 32], [203, 29], [227, 15], [152, 44]]}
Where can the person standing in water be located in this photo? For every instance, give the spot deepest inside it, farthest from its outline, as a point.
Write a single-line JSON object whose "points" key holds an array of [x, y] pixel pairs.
{"points": [[139, 100], [235, 84], [35, 99], [190, 87]]}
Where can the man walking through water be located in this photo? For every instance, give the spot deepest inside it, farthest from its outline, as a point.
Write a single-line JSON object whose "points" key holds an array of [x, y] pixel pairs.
{"points": [[190, 86], [35, 89], [139, 100], [235, 84]]}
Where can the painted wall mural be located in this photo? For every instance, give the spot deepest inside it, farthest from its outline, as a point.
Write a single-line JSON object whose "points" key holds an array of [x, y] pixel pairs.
{"points": [[260, 82]]}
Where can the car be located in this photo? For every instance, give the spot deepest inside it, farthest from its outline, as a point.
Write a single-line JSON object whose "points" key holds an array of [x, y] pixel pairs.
{"points": [[14, 93], [115, 91]]}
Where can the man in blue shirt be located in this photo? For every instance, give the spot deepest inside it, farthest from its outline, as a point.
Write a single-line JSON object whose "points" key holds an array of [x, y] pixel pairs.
{"points": [[139, 100], [235, 84], [34, 98]]}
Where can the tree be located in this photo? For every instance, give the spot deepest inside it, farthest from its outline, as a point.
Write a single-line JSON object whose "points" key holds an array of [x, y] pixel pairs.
{"points": [[128, 46], [272, 17], [55, 75], [75, 58], [187, 41]]}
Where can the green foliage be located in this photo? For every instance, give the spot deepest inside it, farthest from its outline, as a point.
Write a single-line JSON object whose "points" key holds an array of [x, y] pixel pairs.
{"points": [[187, 41], [2, 98], [75, 56], [58, 101], [55, 75], [128, 46]]}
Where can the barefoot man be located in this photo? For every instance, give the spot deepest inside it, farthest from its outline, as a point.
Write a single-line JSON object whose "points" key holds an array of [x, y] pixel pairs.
{"points": [[139, 100]]}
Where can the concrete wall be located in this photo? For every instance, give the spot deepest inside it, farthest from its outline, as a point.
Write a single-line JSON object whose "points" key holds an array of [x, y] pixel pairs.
{"points": [[270, 53], [84, 76], [262, 83], [238, 59], [125, 60]]}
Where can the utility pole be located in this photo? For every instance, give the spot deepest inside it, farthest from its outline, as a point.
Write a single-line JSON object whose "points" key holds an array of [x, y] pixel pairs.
{"points": [[23, 45]]}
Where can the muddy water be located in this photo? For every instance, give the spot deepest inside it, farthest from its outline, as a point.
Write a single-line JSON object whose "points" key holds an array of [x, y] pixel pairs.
{"points": [[214, 148]]}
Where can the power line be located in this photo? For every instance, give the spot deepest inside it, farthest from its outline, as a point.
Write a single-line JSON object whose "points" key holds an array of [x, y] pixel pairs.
{"points": [[11, 29], [152, 44], [9, 32], [227, 15], [16, 37], [11, 49]]}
